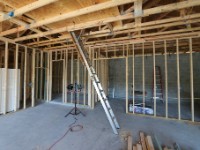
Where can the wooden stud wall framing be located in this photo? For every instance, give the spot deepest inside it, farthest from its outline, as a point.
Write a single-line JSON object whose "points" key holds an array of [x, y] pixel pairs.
{"points": [[63, 79], [166, 79], [97, 72], [25, 78], [72, 73], [28, 70], [16, 75], [191, 79], [78, 77], [57, 75], [84, 96], [21, 75], [33, 79], [6, 79], [143, 78], [165, 53], [133, 78], [37, 68], [89, 83], [100, 62], [27, 75], [106, 76], [56, 72], [41, 74], [66, 75], [102, 67], [92, 87], [178, 79], [126, 80], [154, 80], [48, 76], [45, 75]]}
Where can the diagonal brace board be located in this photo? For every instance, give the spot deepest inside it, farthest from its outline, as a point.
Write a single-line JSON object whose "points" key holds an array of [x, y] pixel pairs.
{"points": [[96, 83]]}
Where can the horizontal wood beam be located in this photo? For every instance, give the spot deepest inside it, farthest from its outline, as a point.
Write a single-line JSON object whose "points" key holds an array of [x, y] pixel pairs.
{"points": [[12, 41], [44, 42], [167, 25], [22, 23], [134, 30], [125, 29], [148, 45], [83, 11], [41, 34], [149, 38], [144, 37], [131, 28], [151, 11], [77, 26], [24, 9], [171, 7]]}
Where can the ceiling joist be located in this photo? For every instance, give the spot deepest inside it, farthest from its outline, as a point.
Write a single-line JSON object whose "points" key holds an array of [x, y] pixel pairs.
{"points": [[25, 9], [109, 21], [72, 14]]}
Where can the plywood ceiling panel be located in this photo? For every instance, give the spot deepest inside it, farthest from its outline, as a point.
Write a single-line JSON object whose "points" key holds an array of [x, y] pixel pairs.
{"points": [[18, 3], [65, 6]]}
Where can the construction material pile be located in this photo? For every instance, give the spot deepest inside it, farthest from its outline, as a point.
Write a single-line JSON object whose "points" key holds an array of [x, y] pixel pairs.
{"points": [[146, 142]]}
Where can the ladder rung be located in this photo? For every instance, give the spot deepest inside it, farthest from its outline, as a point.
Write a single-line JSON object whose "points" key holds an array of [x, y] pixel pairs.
{"points": [[109, 108], [113, 118]]}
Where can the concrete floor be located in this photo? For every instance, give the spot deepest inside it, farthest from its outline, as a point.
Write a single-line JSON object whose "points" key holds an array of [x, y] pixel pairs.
{"points": [[39, 127]]}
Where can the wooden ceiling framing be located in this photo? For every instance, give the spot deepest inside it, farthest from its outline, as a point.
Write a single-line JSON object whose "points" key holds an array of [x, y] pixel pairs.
{"points": [[46, 24]]}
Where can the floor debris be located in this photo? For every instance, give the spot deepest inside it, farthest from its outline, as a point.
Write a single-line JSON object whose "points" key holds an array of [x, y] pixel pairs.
{"points": [[148, 142]]}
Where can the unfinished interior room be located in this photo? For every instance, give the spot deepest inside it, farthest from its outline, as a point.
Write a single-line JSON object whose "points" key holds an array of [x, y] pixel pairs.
{"points": [[99, 74]]}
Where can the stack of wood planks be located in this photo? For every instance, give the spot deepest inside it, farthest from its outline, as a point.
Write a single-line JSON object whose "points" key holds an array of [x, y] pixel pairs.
{"points": [[146, 142]]}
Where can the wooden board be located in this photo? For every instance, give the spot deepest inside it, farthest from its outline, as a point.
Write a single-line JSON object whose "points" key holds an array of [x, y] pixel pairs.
{"points": [[130, 142], [149, 142], [139, 147], [142, 139]]}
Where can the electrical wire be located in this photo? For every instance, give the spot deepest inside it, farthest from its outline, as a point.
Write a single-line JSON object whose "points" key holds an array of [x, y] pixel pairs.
{"points": [[72, 128]]}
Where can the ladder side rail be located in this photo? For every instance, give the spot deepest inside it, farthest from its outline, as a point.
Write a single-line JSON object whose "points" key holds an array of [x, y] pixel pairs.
{"points": [[95, 80], [87, 62], [106, 109]]}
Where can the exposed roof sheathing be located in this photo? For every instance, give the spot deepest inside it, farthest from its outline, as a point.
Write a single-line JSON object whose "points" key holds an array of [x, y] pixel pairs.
{"points": [[46, 24]]}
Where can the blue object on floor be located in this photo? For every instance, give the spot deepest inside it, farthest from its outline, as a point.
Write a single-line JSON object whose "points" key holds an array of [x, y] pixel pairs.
{"points": [[11, 13]]}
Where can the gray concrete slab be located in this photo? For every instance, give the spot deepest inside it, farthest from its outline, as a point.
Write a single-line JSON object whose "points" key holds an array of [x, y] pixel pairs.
{"points": [[39, 127]]}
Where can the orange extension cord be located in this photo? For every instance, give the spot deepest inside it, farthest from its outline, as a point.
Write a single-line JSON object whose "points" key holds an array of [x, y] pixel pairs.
{"points": [[72, 128]]}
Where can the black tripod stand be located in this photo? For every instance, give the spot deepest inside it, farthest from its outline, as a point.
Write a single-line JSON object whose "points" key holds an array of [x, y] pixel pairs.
{"points": [[75, 89]]}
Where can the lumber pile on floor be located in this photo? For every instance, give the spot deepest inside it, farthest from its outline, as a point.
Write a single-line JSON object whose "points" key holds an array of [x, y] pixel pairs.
{"points": [[146, 142]]}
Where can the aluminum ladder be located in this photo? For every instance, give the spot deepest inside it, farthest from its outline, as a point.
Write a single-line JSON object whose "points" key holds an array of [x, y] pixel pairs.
{"points": [[96, 83]]}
